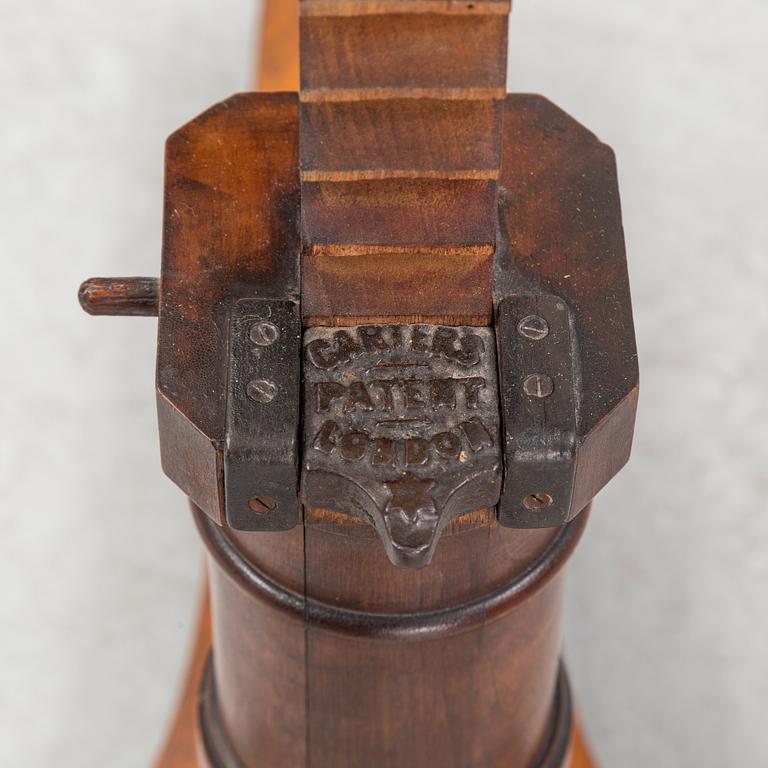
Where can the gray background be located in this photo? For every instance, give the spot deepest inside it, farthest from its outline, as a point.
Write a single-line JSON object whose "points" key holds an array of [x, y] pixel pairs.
{"points": [[99, 564]]}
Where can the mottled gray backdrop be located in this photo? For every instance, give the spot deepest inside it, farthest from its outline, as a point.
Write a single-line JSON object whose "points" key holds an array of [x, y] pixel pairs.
{"points": [[666, 622]]}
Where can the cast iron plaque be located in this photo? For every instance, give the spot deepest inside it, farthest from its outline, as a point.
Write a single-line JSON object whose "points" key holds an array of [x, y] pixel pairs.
{"points": [[401, 427]]}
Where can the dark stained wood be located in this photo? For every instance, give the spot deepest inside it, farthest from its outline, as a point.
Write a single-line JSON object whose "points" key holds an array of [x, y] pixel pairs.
{"points": [[261, 656], [190, 458], [261, 666], [389, 229], [129, 296], [181, 748], [433, 703], [278, 70], [231, 223], [380, 7], [400, 138], [400, 152], [483, 557], [362, 55], [472, 559], [562, 230]]}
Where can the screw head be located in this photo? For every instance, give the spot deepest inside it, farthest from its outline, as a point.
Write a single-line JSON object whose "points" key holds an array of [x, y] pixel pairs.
{"points": [[533, 327], [261, 390], [538, 385], [538, 500], [263, 333], [262, 504]]}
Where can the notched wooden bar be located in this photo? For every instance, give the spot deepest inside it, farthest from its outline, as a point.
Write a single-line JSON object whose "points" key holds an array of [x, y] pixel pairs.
{"points": [[418, 249], [448, 286], [399, 212], [442, 138], [402, 51], [400, 155]]}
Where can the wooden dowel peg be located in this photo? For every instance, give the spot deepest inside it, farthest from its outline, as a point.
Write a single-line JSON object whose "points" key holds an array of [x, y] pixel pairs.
{"points": [[132, 296]]}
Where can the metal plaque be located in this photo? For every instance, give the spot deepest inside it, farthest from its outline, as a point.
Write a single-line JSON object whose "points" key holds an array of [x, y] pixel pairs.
{"points": [[401, 427]]}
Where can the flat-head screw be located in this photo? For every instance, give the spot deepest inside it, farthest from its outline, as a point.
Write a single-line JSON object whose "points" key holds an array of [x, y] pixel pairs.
{"points": [[261, 390], [538, 385], [261, 505], [263, 333], [533, 327], [538, 500]]}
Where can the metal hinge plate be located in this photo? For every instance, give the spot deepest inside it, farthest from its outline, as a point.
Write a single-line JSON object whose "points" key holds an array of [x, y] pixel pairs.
{"points": [[261, 456], [539, 399]]}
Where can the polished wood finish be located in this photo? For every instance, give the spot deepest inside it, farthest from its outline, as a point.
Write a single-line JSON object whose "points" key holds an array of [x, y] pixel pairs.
{"points": [[384, 234], [295, 689], [180, 744], [387, 240], [124, 296], [401, 106], [234, 207], [561, 222], [231, 221]]}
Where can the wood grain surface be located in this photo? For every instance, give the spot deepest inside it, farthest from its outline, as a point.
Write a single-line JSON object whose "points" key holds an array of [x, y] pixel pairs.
{"points": [[231, 221], [289, 689], [180, 744], [400, 128]]}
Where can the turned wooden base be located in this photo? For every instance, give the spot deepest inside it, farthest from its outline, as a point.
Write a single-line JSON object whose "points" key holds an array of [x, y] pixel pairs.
{"points": [[181, 742]]}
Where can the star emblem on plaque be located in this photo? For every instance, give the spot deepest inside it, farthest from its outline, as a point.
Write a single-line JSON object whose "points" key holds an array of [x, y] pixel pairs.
{"points": [[401, 427]]}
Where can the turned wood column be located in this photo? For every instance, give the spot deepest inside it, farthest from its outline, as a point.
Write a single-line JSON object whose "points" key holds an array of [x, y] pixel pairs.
{"points": [[325, 654]]}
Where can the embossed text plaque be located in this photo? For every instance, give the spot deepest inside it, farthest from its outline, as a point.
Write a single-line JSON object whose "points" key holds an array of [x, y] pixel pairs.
{"points": [[401, 427]]}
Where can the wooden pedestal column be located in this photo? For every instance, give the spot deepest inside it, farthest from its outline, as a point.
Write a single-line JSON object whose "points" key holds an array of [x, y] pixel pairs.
{"points": [[324, 653], [327, 655]]}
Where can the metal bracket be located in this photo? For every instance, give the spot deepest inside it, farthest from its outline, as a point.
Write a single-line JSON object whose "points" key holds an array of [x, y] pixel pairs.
{"points": [[401, 422], [539, 399], [261, 454], [401, 427]]}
